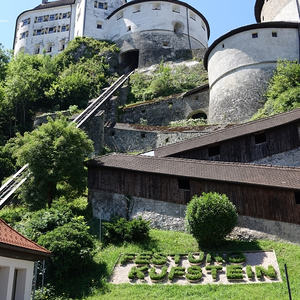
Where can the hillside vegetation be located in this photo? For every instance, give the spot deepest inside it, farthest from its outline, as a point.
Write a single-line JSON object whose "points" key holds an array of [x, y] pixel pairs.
{"points": [[166, 80], [39, 83], [283, 92]]}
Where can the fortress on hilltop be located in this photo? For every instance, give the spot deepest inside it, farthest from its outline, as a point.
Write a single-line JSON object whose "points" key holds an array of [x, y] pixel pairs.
{"points": [[239, 63]]}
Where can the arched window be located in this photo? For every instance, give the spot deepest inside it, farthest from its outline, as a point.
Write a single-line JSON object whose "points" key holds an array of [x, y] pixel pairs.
{"points": [[178, 28]]}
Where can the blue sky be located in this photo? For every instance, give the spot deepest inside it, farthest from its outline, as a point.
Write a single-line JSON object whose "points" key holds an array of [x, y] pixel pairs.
{"points": [[222, 15]]}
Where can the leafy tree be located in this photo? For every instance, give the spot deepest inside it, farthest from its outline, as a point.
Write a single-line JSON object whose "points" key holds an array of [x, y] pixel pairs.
{"points": [[55, 152], [283, 93], [4, 59], [6, 162], [210, 218]]}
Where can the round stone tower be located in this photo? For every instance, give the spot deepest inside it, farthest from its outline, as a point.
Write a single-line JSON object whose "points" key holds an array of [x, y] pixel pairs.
{"points": [[149, 31], [241, 62], [277, 10]]}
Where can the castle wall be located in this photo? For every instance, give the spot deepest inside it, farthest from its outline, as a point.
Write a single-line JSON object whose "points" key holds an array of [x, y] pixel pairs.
{"points": [[162, 112], [240, 65], [280, 10]]}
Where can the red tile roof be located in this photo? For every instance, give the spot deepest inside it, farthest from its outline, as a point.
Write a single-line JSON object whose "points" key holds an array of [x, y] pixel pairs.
{"points": [[10, 237], [229, 133], [282, 177]]}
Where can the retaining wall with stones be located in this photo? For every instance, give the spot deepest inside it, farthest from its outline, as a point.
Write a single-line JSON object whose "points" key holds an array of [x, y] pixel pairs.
{"points": [[124, 138], [164, 111], [170, 216]]}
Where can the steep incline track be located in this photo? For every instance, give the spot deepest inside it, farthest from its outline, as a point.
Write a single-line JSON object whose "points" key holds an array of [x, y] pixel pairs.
{"points": [[11, 186]]}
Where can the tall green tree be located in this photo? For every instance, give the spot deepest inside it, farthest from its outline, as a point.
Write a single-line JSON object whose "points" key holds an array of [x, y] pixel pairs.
{"points": [[4, 59], [55, 153], [283, 93]]}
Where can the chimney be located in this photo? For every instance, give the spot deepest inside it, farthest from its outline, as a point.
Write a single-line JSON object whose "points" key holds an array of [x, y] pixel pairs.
{"points": [[44, 1]]}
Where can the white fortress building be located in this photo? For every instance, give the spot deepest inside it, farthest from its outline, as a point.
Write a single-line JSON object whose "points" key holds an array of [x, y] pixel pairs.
{"points": [[146, 31]]}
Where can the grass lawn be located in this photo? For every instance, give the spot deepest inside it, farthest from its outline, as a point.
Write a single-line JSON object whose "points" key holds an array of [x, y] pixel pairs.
{"points": [[169, 241]]}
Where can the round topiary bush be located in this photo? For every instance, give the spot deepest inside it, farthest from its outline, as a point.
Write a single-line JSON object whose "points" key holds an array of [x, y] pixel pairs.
{"points": [[210, 218]]}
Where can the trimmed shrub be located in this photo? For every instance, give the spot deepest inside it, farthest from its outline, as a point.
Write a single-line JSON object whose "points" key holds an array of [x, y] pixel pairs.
{"points": [[261, 271], [120, 230], [158, 276], [137, 272], [210, 218], [159, 259], [249, 272], [194, 273], [143, 259], [236, 257], [234, 272], [176, 272], [193, 260], [127, 257], [214, 270]]}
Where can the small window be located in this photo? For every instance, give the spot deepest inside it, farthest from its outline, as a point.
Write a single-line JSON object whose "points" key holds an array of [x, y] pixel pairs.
{"points": [[129, 28], [39, 19], [167, 140], [203, 25], [46, 18], [184, 184], [192, 16], [62, 46], [39, 32], [99, 25], [213, 151], [120, 15], [136, 9], [156, 6], [223, 46], [143, 135], [52, 30], [176, 9], [51, 17], [112, 133], [95, 4], [37, 50], [102, 5], [274, 34], [260, 138], [165, 44], [255, 35], [297, 197], [49, 48]]}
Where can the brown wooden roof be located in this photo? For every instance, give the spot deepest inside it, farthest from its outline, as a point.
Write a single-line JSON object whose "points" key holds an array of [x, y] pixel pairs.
{"points": [[229, 133], [282, 177], [14, 242]]}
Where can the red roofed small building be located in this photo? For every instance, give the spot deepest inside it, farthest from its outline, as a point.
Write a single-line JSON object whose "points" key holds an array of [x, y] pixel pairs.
{"points": [[17, 257]]}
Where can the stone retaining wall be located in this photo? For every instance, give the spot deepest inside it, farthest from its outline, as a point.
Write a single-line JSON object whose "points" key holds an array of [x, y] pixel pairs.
{"points": [[170, 216]]}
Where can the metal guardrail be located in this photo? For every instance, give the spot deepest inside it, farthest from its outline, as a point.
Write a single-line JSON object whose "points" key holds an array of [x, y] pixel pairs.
{"points": [[10, 187]]}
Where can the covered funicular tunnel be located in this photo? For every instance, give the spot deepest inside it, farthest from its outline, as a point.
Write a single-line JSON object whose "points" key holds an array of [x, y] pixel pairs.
{"points": [[151, 31]]}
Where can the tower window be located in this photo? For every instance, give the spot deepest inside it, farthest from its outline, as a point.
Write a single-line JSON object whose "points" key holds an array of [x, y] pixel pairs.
{"points": [[192, 16], [99, 25], [156, 6], [274, 34], [120, 15], [137, 8], [129, 28], [255, 35], [176, 9]]}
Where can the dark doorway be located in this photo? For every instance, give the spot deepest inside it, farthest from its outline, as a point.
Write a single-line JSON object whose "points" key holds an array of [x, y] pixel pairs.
{"points": [[199, 115], [130, 60]]}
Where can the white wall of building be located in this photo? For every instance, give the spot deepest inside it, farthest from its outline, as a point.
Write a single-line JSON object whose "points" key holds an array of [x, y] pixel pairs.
{"points": [[24, 278], [42, 35], [157, 16], [280, 10], [241, 50]]}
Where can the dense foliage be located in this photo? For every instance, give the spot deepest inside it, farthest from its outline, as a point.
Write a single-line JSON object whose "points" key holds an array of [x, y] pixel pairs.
{"points": [[35, 83], [120, 230], [210, 218], [283, 93], [166, 81], [55, 153]]}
